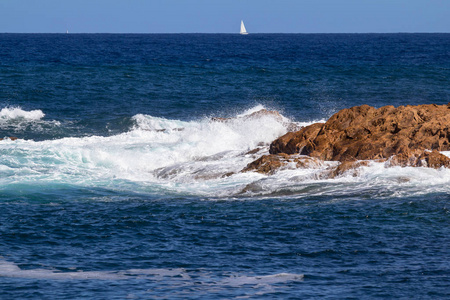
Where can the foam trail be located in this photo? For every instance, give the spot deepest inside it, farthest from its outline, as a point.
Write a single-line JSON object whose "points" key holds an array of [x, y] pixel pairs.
{"points": [[237, 281], [9, 269], [178, 276]]}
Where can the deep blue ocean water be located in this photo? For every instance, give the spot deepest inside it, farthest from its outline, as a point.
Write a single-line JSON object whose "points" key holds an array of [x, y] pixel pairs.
{"points": [[123, 185]]}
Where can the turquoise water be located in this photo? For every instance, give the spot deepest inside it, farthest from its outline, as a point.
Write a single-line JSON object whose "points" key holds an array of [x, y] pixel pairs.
{"points": [[122, 185]]}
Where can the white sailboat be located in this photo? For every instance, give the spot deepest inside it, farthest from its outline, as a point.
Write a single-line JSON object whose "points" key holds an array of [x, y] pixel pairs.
{"points": [[243, 30]]}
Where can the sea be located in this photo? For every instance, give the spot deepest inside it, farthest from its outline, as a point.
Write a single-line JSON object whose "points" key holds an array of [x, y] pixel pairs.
{"points": [[125, 179]]}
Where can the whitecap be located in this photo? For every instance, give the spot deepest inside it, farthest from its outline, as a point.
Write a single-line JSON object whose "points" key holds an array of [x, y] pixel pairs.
{"points": [[251, 110], [11, 113]]}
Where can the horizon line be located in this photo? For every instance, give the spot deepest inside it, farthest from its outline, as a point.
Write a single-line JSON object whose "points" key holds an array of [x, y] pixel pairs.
{"points": [[233, 33]]}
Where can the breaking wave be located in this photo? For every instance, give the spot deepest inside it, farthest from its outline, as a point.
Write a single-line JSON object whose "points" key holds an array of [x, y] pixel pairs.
{"points": [[14, 113], [196, 158], [16, 121]]}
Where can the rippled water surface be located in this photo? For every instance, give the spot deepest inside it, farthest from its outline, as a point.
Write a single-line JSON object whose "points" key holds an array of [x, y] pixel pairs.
{"points": [[125, 180]]}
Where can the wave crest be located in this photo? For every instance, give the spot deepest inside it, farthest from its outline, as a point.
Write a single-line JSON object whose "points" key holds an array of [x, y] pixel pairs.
{"points": [[203, 158], [13, 113]]}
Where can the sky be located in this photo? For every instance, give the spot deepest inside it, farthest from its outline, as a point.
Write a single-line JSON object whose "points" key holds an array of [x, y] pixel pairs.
{"points": [[224, 16]]}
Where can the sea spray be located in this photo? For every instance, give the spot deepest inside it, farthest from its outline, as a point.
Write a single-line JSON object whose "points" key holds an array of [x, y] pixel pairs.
{"points": [[203, 157], [12, 113], [17, 122], [156, 151]]}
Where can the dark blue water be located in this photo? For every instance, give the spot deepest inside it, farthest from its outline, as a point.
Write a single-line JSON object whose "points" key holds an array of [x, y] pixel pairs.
{"points": [[119, 185]]}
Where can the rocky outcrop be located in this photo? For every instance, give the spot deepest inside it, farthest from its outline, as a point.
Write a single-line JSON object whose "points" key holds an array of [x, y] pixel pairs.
{"points": [[294, 142], [364, 132], [403, 136], [272, 163]]}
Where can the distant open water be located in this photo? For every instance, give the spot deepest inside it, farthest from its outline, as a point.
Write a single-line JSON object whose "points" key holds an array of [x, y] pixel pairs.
{"points": [[122, 185]]}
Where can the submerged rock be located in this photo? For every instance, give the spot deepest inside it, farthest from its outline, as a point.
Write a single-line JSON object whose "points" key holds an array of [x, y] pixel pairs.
{"points": [[12, 138], [402, 136], [345, 167], [430, 159], [266, 164], [269, 164]]}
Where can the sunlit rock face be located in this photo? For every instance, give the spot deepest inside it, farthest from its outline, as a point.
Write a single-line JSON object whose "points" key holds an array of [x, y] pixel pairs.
{"points": [[402, 136], [364, 132]]}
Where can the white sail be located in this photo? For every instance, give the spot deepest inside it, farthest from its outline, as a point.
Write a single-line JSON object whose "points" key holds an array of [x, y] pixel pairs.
{"points": [[243, 31]]}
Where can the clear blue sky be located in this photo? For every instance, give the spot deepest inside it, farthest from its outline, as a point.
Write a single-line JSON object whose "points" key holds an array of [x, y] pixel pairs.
{"points": [[223, 16]]}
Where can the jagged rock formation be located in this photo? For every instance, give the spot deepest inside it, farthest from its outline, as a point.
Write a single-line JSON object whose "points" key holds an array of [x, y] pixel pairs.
{"points": [[403, 136]]}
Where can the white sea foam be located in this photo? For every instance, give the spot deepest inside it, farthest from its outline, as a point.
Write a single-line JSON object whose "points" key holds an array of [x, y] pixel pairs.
{"points": [[158, 154], [11, 113], [146, 122], [10, 269], [201, 158], [251, 111], [240, 280], [15, 120], [179, 280]]}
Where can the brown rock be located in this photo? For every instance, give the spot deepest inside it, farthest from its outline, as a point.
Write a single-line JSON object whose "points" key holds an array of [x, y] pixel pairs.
{"points": [[347, 166], [403, 136], [266, 164], [432, 159], [254, 151], [435, 159], [306, 162], [12, 138], [269, 164], [365, 133], [294, 142]]}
